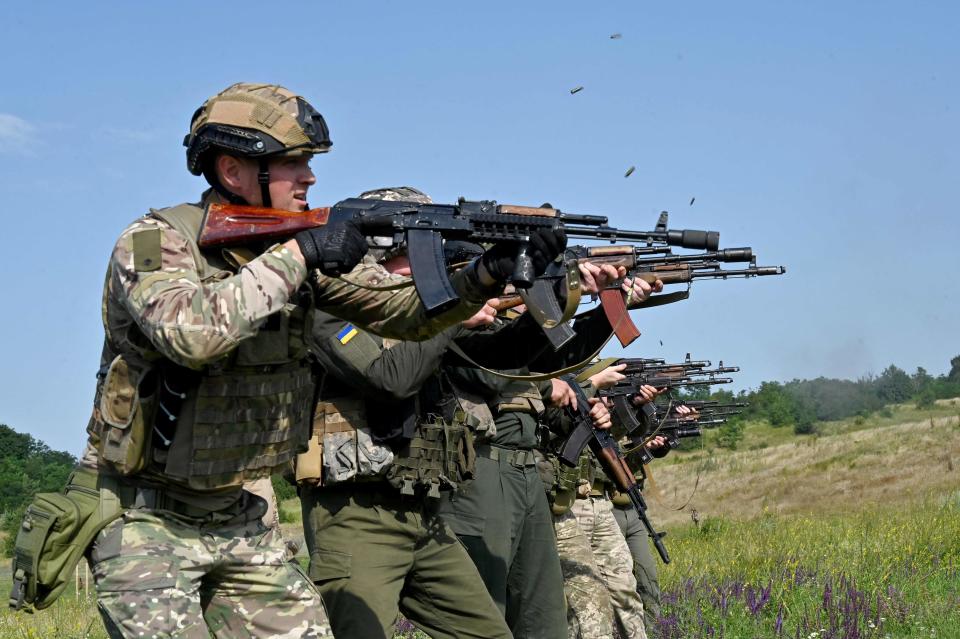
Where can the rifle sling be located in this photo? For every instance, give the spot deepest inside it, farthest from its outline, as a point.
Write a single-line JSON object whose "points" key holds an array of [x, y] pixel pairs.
{"points": [[535, 377]]}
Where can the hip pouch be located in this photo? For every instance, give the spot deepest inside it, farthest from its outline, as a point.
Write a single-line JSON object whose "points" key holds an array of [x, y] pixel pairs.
{"points": [[55, 532]]}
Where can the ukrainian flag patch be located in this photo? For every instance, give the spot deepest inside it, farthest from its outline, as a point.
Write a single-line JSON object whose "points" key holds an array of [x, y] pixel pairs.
{"points": [[347, 333]]}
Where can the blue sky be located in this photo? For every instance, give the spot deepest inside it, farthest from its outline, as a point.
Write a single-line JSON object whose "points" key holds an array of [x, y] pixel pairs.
{"points": [[823, 134]]}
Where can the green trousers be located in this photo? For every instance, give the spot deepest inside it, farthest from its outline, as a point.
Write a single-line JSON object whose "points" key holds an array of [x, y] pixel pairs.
{"points": [[504, 521], [644, 563], [374, 553]]}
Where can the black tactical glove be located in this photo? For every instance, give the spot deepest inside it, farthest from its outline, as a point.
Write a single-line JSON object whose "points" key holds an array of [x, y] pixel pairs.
{"points": [[544, 247], [334, 249]]}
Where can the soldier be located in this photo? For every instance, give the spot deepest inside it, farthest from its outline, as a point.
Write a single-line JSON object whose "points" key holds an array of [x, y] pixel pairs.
{"points": [[382, 449], [503, 517], [204, 382]]}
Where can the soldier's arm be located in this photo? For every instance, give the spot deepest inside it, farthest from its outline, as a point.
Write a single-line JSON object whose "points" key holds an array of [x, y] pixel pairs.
{"points": [[390, 374], [396, 313], [189, 321]]}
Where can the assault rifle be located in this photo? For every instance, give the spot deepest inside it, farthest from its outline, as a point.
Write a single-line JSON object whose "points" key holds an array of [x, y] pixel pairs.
{"points": [[668, 268], [660, 375], [611, 459], [424, 227], [673, 435]]}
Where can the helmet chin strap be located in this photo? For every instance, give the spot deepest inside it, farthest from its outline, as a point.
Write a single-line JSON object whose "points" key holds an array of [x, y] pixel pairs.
{"points": [[263, 177]]}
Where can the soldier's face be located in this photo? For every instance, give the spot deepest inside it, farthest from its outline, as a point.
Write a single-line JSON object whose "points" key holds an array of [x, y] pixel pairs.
{"points": [[290, 179]]}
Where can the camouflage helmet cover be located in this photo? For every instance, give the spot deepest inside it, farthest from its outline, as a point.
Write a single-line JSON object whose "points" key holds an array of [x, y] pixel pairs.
{"points": [[383, 248], [257, 121]]}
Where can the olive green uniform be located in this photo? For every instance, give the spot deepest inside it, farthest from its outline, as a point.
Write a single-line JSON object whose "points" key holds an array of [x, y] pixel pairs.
{"points": [[502, 516], [213, 343], [644, 563], [374, 551]]}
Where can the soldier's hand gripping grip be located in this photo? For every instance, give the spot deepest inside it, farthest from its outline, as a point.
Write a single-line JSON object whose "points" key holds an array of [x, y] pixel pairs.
{"points": [[521, 265], [334, 249]]}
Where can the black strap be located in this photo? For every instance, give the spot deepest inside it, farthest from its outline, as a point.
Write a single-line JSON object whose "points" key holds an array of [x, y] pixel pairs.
{"points": [[263, 177]]}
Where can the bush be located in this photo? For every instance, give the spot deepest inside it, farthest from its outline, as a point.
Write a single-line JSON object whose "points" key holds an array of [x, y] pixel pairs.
{"points": [[926, 399], [730, 434], [805, 427]]}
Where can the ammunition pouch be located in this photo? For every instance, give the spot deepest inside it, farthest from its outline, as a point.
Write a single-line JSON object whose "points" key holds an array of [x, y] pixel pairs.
{"points": [[439, 456], [619, 499], [520, 397], [341, 447], [123, 415], [562, 491], [54, 535]]}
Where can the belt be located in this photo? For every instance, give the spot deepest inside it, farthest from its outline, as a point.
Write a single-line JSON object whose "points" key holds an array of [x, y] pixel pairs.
{"points": [[513, 456]]}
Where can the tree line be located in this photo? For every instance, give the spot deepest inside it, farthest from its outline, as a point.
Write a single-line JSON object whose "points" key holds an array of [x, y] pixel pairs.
{"points": [[802, 403]]}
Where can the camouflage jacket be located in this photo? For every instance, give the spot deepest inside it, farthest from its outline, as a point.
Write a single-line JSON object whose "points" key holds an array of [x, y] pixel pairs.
{"points": [[169, 312]]}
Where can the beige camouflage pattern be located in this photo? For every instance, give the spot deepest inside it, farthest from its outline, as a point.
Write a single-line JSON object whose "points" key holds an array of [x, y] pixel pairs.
{"points": [[596, 519], [269, 108], [189, 321], [589, 610], [163, 576], [174, 313]]}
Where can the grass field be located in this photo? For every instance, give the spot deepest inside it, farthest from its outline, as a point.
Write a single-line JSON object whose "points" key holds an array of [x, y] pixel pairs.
{"points": [[851, 534]]}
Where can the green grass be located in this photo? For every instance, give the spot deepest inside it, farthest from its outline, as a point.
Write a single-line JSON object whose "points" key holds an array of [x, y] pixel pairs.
{"points": [[886, 572]]}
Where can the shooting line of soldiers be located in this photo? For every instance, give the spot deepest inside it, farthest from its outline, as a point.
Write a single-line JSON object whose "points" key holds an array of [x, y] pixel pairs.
{"points": [[427, 375]]}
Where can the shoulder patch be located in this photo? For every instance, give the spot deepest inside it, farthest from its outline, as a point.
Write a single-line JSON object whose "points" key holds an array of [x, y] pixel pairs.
{"points": [[356, 347], [147, 255], [347, 333]]}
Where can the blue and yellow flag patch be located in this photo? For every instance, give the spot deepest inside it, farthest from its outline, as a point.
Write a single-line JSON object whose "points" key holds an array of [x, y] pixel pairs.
{"points": [[347, 333]]}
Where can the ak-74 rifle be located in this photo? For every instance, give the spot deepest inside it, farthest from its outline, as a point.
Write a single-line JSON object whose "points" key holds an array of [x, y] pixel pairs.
{"points": [[659, 375], [665, 267], [611, 459], [425, 226]]}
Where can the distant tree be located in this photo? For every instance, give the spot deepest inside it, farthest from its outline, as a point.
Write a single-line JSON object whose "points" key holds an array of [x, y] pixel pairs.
{"points": [[771, 403], [28, 466], [922, 380], [954, 374], [894, 385]]}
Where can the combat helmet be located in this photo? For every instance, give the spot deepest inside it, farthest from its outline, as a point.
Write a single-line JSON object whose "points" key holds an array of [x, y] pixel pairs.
{"points": [[384, 248], [256, 121]]}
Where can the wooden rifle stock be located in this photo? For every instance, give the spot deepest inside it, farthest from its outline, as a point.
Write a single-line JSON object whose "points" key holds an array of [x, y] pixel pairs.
{"points": [[233, 224]]}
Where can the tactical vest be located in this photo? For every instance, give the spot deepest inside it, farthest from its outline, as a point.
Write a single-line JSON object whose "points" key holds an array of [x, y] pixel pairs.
{"points": [[519, 397], [343, 448], [241, 418]]}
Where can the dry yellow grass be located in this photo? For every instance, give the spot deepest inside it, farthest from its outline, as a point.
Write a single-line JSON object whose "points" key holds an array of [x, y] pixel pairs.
{"points": [[833, 473]]}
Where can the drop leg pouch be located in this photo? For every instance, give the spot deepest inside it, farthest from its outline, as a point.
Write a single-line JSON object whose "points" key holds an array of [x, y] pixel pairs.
{"points": [[56, 530]]}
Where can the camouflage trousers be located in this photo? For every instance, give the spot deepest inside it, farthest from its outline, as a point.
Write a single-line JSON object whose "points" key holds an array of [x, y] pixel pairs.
{"points": [[595, 516], [589, 610], [161, 575]]}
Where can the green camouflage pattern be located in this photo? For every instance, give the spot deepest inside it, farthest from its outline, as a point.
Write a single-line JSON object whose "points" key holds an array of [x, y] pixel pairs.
{"points": [[595, 516], [158, 575], [589, 611]]}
